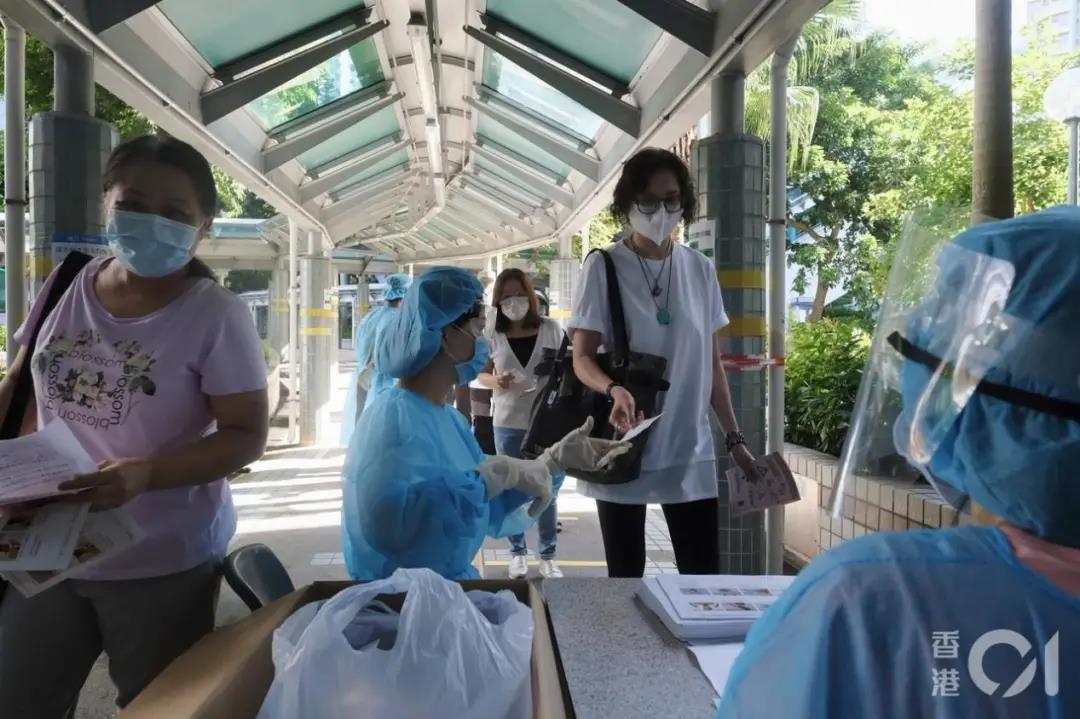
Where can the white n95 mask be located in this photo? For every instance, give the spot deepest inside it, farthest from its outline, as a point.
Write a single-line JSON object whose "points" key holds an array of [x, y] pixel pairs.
{"points": [[657, 226]]}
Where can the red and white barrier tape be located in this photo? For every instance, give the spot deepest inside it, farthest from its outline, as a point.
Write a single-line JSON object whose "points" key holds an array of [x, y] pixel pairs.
{"points": [[749, 363]]}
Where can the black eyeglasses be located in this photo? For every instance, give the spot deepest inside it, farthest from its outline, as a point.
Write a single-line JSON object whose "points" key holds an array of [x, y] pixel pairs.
{"points": [[650, 205]]}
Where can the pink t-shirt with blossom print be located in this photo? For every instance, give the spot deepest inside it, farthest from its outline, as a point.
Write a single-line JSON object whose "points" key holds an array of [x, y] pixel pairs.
{"points": [[133, 388]]}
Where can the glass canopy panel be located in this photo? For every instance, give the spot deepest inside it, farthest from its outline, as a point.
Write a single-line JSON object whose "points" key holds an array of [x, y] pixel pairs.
{"points": [[374, 128], [493, 171], [510, 80], [604, 34], [401, 157], [264, 23], [492, 130], [351, 70]]}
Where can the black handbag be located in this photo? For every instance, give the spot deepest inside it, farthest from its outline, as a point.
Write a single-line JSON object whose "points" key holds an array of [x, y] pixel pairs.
{"points": [[564, 403], [23, 393]]}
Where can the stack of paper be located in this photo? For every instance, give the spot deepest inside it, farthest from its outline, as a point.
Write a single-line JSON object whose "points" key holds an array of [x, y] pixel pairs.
{"points": [[711, 607], [42, 540]]}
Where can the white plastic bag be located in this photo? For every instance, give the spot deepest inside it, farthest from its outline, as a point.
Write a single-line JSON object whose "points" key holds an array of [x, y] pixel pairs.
{"points": [[448, 659]]}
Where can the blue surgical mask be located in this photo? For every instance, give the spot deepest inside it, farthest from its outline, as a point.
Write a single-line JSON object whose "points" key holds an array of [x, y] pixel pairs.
{"points": [[149, 245], [470, 369]]}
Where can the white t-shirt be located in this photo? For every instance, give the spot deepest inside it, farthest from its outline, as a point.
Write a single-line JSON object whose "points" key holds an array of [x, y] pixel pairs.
{"points": [[511, 407], [679, 463]]}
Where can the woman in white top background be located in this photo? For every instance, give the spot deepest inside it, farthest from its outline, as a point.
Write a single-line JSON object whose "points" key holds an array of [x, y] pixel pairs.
{"points": [[518, 340], [673, 309]]}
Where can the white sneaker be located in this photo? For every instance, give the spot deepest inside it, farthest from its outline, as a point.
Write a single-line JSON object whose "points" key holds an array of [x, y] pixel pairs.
{"points": [[549, 569], [518, 567]]}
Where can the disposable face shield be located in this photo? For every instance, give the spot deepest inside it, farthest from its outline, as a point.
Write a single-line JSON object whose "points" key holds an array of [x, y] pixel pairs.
{"points": [[942, 328]]}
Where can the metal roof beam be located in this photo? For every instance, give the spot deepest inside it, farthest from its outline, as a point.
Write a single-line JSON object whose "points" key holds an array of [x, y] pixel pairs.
{"points": [[511, 218], [524, 177], [329, 111], [325, 182], [510, 188], [100, 15], [344, 22], [687, 22], [495, 192], [369, 193], [478, 224], [586, 165], [363, 185], [356, 155], [463, 227], [495, 25], [236, 93], [289, 149], [622, 115], [492, 147]]}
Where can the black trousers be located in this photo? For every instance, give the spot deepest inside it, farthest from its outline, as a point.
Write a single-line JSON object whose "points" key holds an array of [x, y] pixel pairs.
{"points": [[484, 431], [694, 529]]}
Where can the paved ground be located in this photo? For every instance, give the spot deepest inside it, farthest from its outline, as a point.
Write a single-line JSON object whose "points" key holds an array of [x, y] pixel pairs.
{"points": [[291, 501]]}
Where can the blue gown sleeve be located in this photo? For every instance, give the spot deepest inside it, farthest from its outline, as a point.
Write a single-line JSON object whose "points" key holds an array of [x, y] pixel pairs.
{"points": [[825, 648], [425, 514]]}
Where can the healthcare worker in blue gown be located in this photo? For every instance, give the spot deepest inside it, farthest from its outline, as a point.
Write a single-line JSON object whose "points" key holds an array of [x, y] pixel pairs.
{"points": [[365, 378], [977, 357], [418, 491]]}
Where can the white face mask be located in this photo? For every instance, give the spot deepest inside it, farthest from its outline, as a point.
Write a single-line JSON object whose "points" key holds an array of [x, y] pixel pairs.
{"points": [[515, 308], [657, 226]]}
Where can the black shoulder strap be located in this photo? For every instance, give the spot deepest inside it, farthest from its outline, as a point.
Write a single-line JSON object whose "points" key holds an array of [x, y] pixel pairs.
{"points": [[24, 384], [618, 317]]}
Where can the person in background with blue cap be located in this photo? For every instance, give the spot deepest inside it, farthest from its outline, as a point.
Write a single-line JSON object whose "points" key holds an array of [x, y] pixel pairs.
{"points": [[978, 346], [418, 491], [366, 379]]}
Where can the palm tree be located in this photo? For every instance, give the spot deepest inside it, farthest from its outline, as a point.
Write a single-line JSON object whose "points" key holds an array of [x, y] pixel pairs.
{"points": [[828, 33]]}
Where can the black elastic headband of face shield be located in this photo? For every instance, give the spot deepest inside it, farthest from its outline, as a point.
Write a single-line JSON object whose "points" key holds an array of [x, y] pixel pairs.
{"points": [[1022, 398]]}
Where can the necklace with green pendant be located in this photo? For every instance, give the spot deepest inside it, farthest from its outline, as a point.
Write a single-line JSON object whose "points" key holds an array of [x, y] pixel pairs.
{"points": [[663, 314]]}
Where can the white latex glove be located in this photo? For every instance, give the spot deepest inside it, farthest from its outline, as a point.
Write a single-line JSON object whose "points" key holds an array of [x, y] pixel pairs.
{"points": [[531, 476], [577, 450]]}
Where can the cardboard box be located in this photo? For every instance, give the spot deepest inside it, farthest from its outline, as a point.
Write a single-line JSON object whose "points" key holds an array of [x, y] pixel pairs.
{"points": [[227, 673]]}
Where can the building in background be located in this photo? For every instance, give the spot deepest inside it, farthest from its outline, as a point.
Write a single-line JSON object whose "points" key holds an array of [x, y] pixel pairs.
{"points": [[1064, 17]]}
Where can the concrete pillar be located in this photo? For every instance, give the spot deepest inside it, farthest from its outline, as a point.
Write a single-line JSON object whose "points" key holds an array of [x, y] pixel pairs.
{"points": [[992, 148], [499, 264], [294, 331], [68, 151], [729, 173], [14, 181], [278, 331], [564, 273], [317, 322]]}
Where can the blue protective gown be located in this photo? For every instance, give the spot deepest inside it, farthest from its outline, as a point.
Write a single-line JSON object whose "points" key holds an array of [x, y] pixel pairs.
{"points": [[412, 497], [365, 342], [853, 636]]}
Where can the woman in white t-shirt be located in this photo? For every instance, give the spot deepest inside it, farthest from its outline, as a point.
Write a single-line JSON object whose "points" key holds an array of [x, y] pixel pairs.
{"points": [[673, 309], [518, 340]]}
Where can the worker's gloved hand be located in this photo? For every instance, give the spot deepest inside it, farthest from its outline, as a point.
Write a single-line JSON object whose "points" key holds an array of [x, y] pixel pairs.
{"points": [[531, 476], [579, 451]]}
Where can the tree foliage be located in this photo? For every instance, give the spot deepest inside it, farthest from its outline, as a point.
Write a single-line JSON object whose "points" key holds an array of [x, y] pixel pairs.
{"points": [[894, 135]]}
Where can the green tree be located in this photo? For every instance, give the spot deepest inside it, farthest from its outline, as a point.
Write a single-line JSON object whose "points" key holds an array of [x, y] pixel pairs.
{"points": [[828, 36], [849, 165]]}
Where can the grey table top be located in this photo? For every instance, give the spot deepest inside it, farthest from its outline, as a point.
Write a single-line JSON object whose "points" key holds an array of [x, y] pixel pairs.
{"points": [[619, 660]]}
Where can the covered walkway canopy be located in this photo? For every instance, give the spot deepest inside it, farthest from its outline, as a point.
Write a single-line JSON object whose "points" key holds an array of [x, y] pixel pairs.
{"points": [[420, 130]]}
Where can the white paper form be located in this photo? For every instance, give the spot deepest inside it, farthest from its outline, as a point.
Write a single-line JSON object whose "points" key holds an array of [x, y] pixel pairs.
{"points": [[42, 539], [641, 428], [716, 662], [32, 467], [722, 598], [103, 535]]}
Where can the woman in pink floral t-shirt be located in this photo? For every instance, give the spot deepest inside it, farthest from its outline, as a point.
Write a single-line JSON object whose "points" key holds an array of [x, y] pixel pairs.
{"points": [[159, 373]]}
